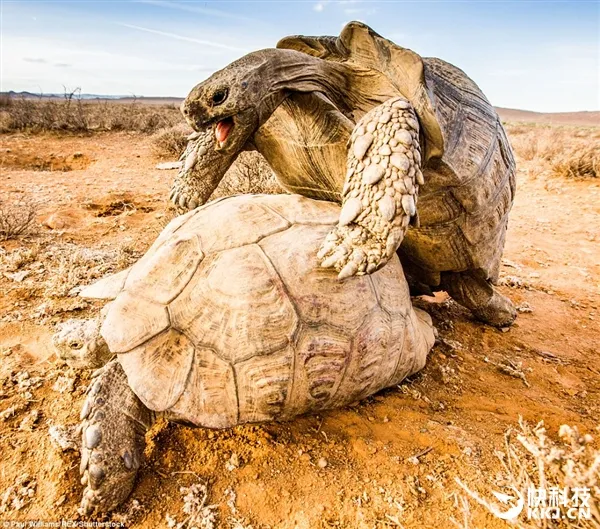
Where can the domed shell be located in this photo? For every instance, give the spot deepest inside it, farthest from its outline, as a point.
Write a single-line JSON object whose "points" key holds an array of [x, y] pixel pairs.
{"points": [[468, 164], [229, 319]]}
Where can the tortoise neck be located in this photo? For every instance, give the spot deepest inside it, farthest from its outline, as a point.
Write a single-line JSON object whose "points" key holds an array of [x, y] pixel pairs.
{"points": [[298, 72]]}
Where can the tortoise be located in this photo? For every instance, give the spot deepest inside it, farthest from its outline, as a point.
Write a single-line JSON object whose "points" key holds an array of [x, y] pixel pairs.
{"points": [[299, 104], [227, 320]]}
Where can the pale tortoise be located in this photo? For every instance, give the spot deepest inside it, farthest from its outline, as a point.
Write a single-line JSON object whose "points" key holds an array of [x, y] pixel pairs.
{"points": [[298, 105], [227, 320]]}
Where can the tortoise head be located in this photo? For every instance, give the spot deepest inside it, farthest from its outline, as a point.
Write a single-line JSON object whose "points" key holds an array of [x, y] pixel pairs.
{"points": [[235, 101], [227, 109], [79, 344]]}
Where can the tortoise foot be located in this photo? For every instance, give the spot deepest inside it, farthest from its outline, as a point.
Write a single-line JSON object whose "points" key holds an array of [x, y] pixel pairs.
{"points": [[352, 250], [114, 423], [379, 195], [476, 293], [499, 311]]}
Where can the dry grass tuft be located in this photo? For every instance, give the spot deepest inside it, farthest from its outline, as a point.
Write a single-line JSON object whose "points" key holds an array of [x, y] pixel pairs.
{"points": [[249, 174], [580, 163], [170, 142], [74, 114], [532, 461], [16, 219], [199, 515], [571, 152]]}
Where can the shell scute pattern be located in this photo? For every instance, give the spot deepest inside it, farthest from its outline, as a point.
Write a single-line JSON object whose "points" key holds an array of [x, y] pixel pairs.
{"points": [[233, 223], [131, 321], [237, 306], [210, 398], [264, 384], [254, 331], [168, 270], [321, 358], [297, 209], [318, 296], [158, 369]]}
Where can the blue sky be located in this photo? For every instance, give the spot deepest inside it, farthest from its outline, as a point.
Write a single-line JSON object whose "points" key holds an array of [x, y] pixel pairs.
{"points": [[534, 55]]}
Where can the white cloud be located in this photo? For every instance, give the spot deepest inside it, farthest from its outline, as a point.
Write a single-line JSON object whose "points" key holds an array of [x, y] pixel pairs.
{"points": [[319, 7], [197, 9], [183, 37]]}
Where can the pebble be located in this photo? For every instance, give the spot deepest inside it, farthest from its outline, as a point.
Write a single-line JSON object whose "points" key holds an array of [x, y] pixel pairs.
{"points": [[322, 462]]}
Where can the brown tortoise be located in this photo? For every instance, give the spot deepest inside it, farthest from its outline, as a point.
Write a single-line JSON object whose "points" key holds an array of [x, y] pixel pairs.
{"points": [[298, 106], [227, 320]]}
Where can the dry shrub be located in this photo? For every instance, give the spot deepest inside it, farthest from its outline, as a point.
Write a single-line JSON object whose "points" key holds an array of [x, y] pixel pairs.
{"points": [[16, 219], [74, 114], [198, 513], [249, 174], [71, 266], [170, 142], [558, 150], [579, 163], [531, 460]]}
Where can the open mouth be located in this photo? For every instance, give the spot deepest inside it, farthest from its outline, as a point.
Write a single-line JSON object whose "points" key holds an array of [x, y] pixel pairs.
{"points": [[223, 129]]}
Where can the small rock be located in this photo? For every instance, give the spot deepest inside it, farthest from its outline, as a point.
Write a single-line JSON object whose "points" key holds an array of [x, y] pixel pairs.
{"points": [[17, 276], [233, 463], [64, 385], [54, 222], [64, 437], [322, 463], [169, 165], [29, 421]]}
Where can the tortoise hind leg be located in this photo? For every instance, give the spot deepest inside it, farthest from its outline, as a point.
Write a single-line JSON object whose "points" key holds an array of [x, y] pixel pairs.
{"points": [[114, 423], [379, 196], [476, 293]]}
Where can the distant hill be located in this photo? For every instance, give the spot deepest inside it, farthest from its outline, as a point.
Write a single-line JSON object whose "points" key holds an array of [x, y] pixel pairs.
{"points": [[591, 118]]}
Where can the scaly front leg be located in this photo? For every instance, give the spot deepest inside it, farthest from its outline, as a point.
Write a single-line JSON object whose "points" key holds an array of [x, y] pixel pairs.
{"points": [[202, 170], [380, 193]]}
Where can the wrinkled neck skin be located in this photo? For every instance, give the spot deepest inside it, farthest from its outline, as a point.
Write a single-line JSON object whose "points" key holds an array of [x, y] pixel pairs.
{"points": [[282, 73], [292, 71]]}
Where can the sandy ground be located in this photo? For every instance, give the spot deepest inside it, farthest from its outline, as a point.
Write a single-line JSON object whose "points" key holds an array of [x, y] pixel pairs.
{"points": [[353, 467]]}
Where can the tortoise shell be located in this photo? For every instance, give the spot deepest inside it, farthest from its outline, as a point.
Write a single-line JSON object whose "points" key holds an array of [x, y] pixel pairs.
{"points": [[226, 319], [468, 164]]}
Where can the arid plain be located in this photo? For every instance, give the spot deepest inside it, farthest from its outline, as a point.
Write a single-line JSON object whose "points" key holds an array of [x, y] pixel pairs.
{"points": [[93, 200]]}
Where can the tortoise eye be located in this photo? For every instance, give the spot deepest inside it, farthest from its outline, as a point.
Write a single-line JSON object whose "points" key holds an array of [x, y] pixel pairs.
{"points": [[219, 96]]}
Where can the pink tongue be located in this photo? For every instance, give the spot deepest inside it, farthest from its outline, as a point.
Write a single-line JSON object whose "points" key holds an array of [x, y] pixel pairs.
{"points": [[222, 130]]}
